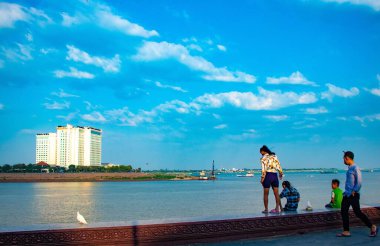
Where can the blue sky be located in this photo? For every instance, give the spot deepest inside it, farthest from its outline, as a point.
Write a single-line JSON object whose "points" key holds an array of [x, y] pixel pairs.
{"points": [[177, 84]]}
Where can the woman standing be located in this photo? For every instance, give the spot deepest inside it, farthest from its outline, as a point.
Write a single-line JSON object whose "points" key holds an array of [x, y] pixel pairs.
{"points": [[270, 165]]}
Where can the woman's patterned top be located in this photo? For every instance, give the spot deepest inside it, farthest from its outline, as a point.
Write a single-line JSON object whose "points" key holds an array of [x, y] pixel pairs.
{"points": [[270, 163]]}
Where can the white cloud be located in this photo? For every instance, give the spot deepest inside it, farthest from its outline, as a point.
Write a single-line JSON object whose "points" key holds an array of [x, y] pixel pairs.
{"points": [[222, 74], [25, 51], [63, 94], [216, 116], [29, 37], [56, 105], [222, 126], [340, 92], [308, 123], [127, 118], [101, 15], [195, 47], [374, 91], [295, 78], [90, 106], [68, 20], [277, 118], [108, 65], [183, 14], [1, 106], [248, 134], [342, 118], [191, 39], [73, 73], [221, 47], [22, 52], [175, 105], [362, 119], [46, 51], [40, 16], [375, 4], [107, 19], [151, 51], [367, 118], [11, 13], [319, 110], [264, 100], [68, 117], [175, 88], [94, 117]]}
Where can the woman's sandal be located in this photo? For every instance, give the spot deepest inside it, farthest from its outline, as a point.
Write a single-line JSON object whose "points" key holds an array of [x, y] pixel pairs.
{"points": [[274, 211], [265, 211]]}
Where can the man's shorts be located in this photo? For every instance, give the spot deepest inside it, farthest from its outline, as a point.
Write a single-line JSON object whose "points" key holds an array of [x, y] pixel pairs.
{"points": [[270, 180]]}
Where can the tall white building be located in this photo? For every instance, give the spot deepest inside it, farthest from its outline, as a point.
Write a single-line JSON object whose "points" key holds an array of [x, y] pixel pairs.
{"points": [[46, 148], [72, 145]]}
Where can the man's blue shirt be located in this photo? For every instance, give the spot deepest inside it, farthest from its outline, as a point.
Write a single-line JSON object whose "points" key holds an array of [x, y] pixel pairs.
{"points": [[353, 180]]}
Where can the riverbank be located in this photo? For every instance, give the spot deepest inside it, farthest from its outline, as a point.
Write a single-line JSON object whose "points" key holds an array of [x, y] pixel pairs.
{"points": [[89, 177]]}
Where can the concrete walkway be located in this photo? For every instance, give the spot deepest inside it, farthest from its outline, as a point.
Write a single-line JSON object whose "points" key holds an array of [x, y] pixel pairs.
{"points": [[359, 236]]}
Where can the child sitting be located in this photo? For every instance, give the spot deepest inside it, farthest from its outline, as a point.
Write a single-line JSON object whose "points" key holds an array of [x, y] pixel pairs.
{"points": [[336, 195], [292, 196]]}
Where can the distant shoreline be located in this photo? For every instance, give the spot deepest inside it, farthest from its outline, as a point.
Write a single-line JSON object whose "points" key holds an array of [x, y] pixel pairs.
{"points": [[88, 177]]}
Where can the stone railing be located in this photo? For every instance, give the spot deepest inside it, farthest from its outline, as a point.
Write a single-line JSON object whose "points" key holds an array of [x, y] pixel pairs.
{"points": [[187, 232]]}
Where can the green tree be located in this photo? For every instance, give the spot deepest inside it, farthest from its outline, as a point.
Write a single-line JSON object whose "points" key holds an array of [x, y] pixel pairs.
{"points": [[123, 168], [29, 168], [72, 168], [6, 168], [20, 168]]}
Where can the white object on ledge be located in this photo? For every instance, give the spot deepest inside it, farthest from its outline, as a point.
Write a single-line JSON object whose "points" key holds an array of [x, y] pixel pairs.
{"points": [[81, 219]]}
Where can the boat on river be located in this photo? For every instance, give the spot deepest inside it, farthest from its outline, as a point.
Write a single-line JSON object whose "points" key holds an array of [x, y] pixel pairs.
{"points": [[203, 175], [247, 175]]}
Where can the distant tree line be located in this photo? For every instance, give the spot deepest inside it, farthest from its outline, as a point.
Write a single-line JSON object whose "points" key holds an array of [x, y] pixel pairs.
{"points": [[35, 168]]}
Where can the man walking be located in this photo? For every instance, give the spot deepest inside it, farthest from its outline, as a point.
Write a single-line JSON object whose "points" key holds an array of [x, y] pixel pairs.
{"points": [[351, 197]]}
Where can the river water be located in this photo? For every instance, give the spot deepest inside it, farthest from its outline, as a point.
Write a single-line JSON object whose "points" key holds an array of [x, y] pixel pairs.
{"points": [[33, 205]]}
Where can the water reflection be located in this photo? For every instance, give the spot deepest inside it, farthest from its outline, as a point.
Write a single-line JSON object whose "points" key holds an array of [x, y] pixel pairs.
{"points": [[59, 202], [228, 197]]}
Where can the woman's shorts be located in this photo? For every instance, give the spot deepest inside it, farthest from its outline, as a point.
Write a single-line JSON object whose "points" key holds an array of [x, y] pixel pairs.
{"points": [[270, 180]]}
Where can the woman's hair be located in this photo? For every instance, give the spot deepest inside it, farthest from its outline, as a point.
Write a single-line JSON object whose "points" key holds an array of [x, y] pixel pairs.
{"points": [[267, 150], [287, 184]]}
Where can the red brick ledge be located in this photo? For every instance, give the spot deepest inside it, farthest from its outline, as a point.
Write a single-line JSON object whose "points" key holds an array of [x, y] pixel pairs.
{"points": [[191, 232]]}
